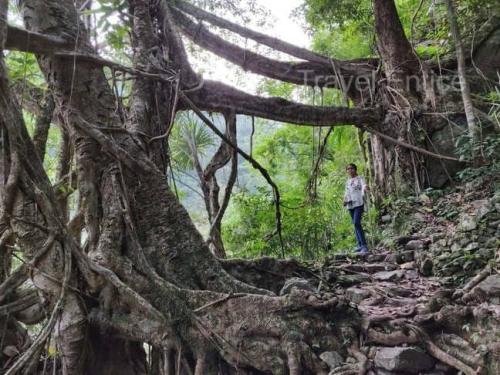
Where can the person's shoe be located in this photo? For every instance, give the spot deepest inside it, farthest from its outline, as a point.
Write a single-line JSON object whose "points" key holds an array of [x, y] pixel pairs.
{"points": [[362, 250]]}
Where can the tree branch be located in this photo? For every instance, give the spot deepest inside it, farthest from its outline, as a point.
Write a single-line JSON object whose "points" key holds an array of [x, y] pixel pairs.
{"points": [[248, 158], [218, 97], [261, 38], [29, 41], [312, 73]]}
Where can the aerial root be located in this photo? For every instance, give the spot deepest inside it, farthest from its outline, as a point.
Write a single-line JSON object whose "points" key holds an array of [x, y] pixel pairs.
{"points": [[201, 363]]}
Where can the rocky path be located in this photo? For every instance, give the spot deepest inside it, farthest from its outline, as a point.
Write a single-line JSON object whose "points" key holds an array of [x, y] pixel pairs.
{"points": [[412, 324]]}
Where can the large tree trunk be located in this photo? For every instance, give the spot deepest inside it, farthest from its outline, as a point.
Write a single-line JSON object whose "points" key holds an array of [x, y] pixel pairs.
{"points": [[406, 92], [141, 233]]}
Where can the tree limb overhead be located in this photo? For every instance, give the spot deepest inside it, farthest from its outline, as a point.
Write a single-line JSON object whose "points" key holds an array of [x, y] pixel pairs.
{"points": [[218, 97]]}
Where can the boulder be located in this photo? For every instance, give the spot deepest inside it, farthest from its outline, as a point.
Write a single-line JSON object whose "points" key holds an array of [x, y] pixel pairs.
{"points": [[471, 246], [467, 223], [332, 359], [444, 143], [490, 286], [389, 275], [426, 267], [414, 245], [435, 237], [487, 54], [296, 282], [374, 258], [406, 256], [357, 295], [346, 280], [481, 208], [408, 266], [405, 359], [386, 219]]}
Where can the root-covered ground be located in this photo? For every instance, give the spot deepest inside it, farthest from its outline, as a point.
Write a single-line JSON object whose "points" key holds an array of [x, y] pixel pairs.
{"points": [[430, 304]]}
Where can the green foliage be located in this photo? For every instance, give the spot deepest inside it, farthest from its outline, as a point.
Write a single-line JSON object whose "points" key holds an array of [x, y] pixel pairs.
{"points": [[188, 137], [351, 43], [344, 28], [23, 66], [312, 225], [50, 161], [335, 13], [276, 88], [488, 149]]}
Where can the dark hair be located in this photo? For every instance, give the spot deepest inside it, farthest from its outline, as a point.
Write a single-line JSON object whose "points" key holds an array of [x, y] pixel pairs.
{"points": [[353, 166]]}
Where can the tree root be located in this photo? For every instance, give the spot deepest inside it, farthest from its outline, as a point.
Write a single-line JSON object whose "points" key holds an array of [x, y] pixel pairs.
{"points": [[392, 339], [448, 359]]}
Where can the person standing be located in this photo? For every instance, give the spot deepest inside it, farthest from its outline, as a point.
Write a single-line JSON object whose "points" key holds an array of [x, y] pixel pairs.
{"points": [[354, 197]]}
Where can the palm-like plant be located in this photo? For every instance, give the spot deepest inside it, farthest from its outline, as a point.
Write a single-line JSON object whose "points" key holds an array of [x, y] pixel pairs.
{"points": [[189, 139]]}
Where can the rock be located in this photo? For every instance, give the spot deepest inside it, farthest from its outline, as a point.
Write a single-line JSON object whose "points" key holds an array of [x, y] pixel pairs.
{"points": [[411, 275], [357, 295], [443, 367], [330, 276], [406, 256], [444, 141], [425, 199], [398, 291], [346, 280], [496, 198], [389, 275], [414, 245], [442, 242], [391, 258], [488, 55], [377, 267], [481, 208], [374, 258], [332, 359], [467, 223], [492, 242], [403, 240], [426, 267], [437, 236], [381, 371], [419, 217], [405, 359], [472, 246], [296, 282], [408, 266], [386, 219], [490, 286]]}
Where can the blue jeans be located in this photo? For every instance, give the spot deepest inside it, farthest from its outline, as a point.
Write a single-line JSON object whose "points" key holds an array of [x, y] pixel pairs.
{"points": [[356, 214]]}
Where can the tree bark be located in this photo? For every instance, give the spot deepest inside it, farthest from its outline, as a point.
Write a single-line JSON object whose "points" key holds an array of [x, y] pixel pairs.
{"points": [[395, 50], [210, 187], [464, 84]]}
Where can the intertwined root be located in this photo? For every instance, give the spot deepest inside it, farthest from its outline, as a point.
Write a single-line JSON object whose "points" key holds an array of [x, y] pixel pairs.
{"points": [[274, 334]]}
